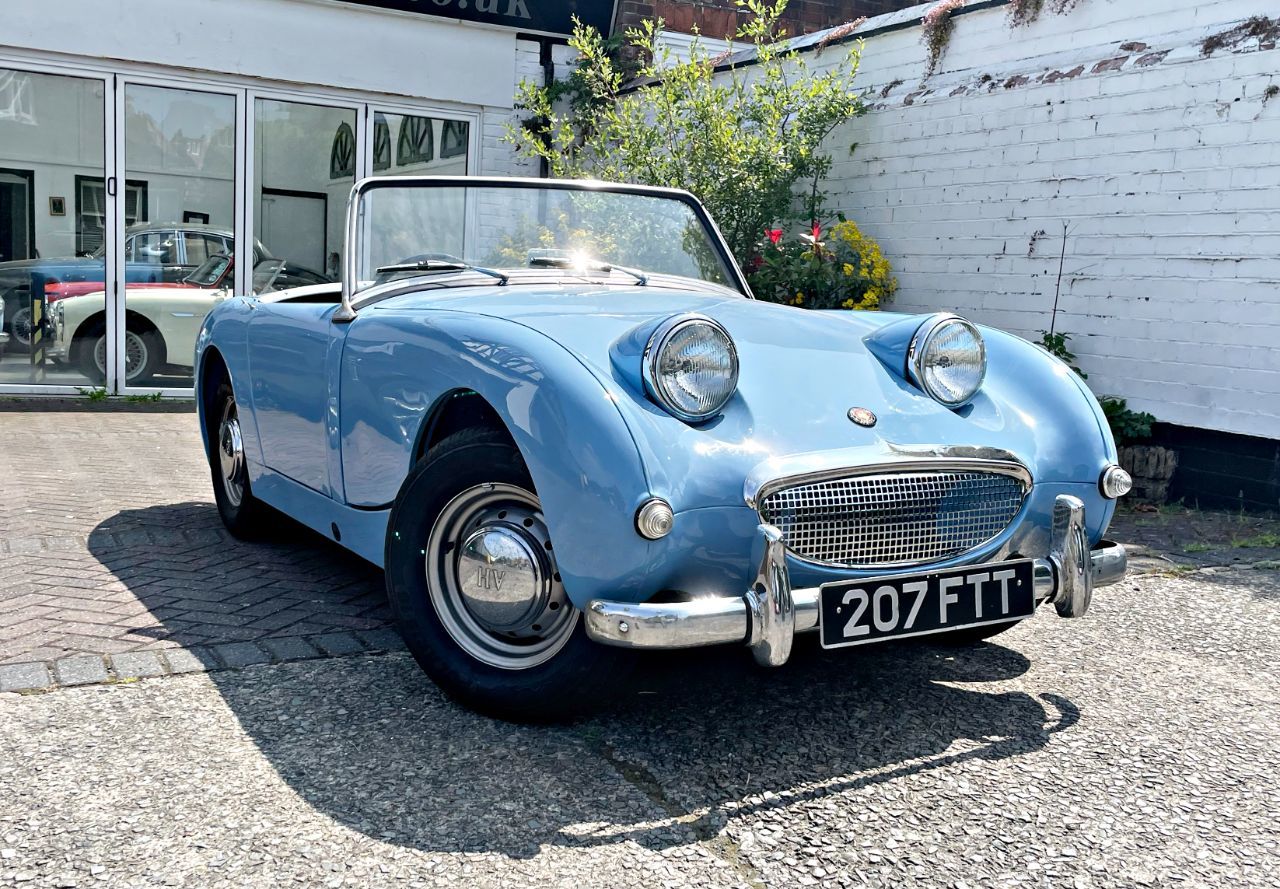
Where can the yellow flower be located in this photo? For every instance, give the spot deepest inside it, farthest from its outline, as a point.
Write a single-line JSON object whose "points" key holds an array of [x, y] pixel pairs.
{"points": [[848, 304], [847, 269], [799, 300]]}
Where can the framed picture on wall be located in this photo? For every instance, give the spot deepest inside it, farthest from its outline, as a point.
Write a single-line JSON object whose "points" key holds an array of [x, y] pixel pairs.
{"points": [[195, 216], [57, 206]]}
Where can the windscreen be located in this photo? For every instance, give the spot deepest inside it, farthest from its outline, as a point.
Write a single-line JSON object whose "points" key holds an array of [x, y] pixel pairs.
{"points": [[210, 272], [513, 227]]}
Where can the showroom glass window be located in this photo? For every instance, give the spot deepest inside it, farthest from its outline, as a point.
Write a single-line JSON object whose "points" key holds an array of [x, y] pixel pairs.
{"points": [[52, 138], [180, 144], [304, 164], [424, 146]]}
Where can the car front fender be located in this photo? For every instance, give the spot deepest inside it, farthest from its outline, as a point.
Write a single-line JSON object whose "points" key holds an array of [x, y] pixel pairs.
{"points": [[563, 417]]}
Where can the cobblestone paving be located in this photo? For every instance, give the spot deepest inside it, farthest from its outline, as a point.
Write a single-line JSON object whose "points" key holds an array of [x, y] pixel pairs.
{"points": [[112, 558]]}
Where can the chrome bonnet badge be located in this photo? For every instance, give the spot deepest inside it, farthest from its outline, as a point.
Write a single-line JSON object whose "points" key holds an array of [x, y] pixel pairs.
{"points": [[862, 416]]}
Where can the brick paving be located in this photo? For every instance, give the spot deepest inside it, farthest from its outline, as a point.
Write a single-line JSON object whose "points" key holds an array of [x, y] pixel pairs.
{"points": [[113, 559]]}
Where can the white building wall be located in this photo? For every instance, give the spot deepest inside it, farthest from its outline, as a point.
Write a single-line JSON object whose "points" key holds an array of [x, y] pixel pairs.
{"points": [[1161, 162], [312, 42]]}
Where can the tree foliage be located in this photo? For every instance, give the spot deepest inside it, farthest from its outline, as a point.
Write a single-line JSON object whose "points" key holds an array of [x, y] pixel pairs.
{"points": [[746, 139]]}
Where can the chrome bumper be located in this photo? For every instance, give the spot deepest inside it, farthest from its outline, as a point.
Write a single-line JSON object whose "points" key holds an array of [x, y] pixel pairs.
{"points": [[768, 615]]}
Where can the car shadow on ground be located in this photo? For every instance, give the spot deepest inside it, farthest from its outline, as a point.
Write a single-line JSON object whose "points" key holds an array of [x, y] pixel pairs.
{"points": [[691, 742], [203, 588]]}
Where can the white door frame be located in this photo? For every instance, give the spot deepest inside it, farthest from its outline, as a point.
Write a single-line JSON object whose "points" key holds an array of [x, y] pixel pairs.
{"points": [[108, 163], [116, 297]]}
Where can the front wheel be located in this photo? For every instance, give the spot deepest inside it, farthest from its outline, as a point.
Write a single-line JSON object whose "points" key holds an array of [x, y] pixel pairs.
{"points": [[472, 577]]}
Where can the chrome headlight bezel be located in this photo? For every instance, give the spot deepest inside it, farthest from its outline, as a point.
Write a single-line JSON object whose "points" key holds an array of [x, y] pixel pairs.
{"points": [[655, 386], [925, 337]]}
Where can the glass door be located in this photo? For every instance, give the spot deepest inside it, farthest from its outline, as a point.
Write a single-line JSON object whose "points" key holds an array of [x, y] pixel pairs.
{"points": [[53, 136], [304, 164], [178, 175]]}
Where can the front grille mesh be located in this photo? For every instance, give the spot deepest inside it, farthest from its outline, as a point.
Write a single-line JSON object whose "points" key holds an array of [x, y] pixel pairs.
{"points": [[895, 518]]}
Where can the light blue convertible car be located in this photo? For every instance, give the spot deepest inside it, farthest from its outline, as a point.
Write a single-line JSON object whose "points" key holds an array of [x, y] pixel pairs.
{"points": [[553, 413]]}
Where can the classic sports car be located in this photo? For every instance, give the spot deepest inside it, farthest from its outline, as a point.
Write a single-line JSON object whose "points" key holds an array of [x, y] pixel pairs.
{"points": [[162, 319], [153, 251], [553, 413]]}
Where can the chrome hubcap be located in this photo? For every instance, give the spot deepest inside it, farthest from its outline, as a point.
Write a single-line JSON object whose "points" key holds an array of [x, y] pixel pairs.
{"points": [[135, 355], [493, 581], [231, 454]]}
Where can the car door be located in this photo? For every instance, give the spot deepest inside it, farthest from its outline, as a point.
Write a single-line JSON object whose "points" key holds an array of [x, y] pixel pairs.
{"points": [[294, 350], [198, 246], [152, 256]]}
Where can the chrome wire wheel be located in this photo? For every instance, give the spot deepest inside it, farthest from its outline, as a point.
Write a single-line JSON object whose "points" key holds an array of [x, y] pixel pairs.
{"points": [[22, 326], [492, 578], [231, 454], [136, 355]]}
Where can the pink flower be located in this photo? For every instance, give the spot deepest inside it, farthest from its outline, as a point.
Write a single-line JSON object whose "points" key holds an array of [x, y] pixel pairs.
{"points": [[775, 235], [817, 230]]}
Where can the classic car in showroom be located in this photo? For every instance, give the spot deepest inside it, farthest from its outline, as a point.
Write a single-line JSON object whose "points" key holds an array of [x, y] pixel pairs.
{"points": [[555, 415], [162, 319], [154, 252]]}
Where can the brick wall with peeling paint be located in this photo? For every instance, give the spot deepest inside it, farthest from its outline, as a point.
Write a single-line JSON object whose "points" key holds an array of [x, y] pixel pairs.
{"points": [[1158, 151]]}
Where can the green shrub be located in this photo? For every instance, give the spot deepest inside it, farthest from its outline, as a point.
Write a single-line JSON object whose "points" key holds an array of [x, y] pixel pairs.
{"points": [[843, 270], [1056, 345], [746, 141], [1127, 426]]}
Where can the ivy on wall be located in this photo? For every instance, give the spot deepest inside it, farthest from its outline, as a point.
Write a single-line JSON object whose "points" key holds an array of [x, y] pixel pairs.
{"points": [[937, 24], [1024, 12]]}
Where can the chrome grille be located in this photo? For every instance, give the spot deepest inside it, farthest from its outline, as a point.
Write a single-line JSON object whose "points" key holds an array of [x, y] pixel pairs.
{"points": [[893, 518]]}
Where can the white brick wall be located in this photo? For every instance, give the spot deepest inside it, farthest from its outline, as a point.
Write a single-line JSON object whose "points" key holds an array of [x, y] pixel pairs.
{"points": [[496, 156], [1165, 171]]}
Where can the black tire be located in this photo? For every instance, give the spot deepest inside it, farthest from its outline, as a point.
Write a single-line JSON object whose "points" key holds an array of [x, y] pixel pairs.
{"points": [[968, 636], [244, 515], [87, 351], [574, 677]]}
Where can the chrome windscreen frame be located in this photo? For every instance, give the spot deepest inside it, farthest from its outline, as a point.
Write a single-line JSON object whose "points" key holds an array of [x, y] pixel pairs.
{"points": [[346, 312]]}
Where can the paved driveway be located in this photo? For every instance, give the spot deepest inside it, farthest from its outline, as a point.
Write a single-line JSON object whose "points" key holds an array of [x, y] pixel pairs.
{"points": [[1136, 747], [110, 545]]}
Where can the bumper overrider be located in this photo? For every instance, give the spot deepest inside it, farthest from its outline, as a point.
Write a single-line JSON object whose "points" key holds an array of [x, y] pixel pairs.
{"points": [[769, 614]]}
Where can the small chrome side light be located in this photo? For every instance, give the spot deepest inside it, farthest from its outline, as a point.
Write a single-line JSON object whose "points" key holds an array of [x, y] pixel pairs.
{"points": [[654, 519], [1115, 482]]}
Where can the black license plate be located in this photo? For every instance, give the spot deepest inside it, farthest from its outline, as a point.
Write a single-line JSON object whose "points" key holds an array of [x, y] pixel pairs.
{"points": [[855, 612]]}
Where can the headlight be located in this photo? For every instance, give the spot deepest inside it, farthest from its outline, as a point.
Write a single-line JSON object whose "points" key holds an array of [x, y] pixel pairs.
{"points": [[691, 367], [947, 359]]}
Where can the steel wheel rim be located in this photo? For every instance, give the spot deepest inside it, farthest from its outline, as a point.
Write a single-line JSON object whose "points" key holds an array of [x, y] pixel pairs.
{"points": [[497, 512], [231, 454], [135, 355]]}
